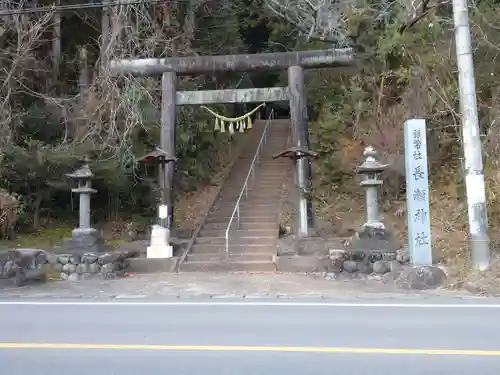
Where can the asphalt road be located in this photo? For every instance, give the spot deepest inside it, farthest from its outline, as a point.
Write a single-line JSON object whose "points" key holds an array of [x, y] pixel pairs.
{"points": [[248, 339]]}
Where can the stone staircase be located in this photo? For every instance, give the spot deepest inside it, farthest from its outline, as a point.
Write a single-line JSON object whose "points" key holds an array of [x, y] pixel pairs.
{"points": [[252, 244]]}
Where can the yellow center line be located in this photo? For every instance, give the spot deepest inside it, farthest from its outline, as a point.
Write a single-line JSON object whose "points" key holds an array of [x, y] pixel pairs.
{"points": [[295, 349]]}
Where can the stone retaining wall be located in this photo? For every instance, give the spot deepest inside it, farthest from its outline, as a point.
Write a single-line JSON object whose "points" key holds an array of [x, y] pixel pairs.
{"points": [[22, 265], [76, 267]]}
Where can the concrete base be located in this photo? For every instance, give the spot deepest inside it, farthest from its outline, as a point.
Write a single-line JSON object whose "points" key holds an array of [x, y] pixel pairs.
{"points": [[159, 252], [160, 244], [302, 263], [150, 265]]}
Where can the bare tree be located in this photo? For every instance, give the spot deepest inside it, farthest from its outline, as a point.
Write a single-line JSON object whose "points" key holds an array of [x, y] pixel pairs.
{"points": [[317, 19], [327, 20], [19, 36]]}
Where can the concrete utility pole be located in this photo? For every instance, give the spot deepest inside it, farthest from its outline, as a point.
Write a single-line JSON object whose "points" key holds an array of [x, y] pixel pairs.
{"points": [[474, 174]]}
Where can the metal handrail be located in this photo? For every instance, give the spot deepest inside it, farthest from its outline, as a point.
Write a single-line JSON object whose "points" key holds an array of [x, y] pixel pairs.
{"points": [[251, 172]]}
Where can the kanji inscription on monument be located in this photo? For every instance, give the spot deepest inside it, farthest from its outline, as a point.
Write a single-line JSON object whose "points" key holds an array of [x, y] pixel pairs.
{"points": [[417, 192]]}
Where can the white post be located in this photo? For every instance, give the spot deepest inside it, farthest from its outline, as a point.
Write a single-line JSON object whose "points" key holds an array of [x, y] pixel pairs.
{"points": [[417, 193], [474, 174]]}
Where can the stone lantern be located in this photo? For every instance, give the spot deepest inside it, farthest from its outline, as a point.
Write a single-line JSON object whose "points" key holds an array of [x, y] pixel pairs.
{"points": [[84, 237], [160, 234], [370, 170], [373, 241]]}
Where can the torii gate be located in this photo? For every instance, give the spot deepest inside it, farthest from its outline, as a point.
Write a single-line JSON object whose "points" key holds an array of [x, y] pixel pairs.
{"points": [[295, 62]]}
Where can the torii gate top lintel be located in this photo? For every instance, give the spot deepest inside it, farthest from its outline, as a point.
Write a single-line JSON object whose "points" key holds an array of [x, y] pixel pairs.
{"points": [[192, 65]]}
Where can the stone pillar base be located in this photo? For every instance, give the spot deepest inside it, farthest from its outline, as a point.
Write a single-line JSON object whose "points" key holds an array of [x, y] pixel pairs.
{"points": [[160, 243], [159, 252]]}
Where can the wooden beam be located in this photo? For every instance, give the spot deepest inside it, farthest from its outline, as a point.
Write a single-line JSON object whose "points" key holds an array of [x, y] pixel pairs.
{"points": [[259, 95], [193, 65]]}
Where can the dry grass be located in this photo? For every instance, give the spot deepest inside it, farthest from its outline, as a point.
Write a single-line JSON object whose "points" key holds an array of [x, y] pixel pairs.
{"points": [[342, 207], [192, 207]]}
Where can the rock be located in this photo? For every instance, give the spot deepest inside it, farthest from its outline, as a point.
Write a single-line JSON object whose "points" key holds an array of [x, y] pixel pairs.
{"points": [[82, 268], [445, 269], [75, 259], [403, 255], [350, 266], [58, 267], [94, 268], [389, 277], [109, 258], [69, 268], [364, 267], [41, 258], [420, 277], [20, 277], [63, 276], [330, 276], [395, 267], [337, 257], [29, 258], [89, 258], [359, 276], [374, 276], [380, 267], [86, 276], [108, 276], [474, 288], [74, 277], [52, 258], [120, 273], [63, 259], [109, 268], [8, 269]]}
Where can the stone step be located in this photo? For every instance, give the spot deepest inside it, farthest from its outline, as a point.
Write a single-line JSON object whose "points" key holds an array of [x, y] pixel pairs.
{"points": [[233, 257], [247, 211], [252, 243], [277, 177], [224, 220], [219, 224], [255, 185], [255, 190], [235, 240], [224, 214], [254, 266], [235, 248], [258, 199], [254, 182], [238, 232]]}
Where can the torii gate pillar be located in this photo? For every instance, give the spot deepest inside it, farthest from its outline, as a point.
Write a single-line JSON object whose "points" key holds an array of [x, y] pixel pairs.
{"points": [[167, 143], [298, 123]]}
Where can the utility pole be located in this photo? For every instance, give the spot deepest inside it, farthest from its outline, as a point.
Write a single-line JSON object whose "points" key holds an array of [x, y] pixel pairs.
{"points": [[474, 174]]}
